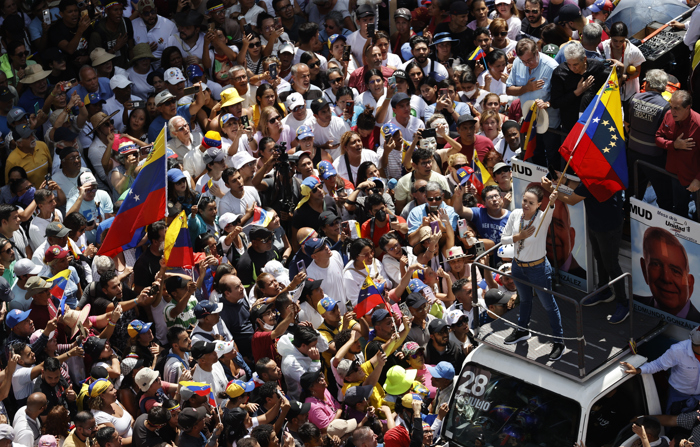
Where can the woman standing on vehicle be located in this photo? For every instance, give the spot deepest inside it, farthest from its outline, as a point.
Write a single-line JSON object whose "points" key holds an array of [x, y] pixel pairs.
{"points": [[530, 264]]}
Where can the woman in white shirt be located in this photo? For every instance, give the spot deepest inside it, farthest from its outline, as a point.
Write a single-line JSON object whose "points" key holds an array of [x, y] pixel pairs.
{"points": [[490, 123], [507, 11], [494, 79], [374, 80], [389, 59], [530, 264], [352, 155], [108, 410], [270, 125], [500, 33], [354, 274], [620, 49]]}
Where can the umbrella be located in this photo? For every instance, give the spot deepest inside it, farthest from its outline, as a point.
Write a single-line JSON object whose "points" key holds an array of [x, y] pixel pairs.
{"points": [[637, 14]]}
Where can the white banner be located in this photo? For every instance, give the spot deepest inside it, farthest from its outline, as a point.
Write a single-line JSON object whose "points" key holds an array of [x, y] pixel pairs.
{"points": [[665, 254]]}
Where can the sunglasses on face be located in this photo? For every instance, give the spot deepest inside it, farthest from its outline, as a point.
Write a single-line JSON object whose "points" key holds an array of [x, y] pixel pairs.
{"points": [[314, 64], [273, 120], [22, 53], [502, 34], [532, 11], [255, 44], [148, 13], [168, 102], [460, 166], [316, 189], [422, 189], [417, 355], [433, 199], [266, 240], [336, 80], [8, 251]]}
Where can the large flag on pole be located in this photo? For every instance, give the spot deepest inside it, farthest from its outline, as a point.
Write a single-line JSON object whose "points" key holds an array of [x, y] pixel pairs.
{"points": [[530, 124], [144, 204], [596, 144], [178, 248]]}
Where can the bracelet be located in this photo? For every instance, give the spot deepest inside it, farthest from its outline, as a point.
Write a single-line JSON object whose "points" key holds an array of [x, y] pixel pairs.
{"points": [[136, 300], [112, 324]]}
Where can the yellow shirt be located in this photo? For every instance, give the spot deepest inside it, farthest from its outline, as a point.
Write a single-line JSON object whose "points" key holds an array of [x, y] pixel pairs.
{"points": [[378, 393], [73, 441], [329, 334], [37, 164]]}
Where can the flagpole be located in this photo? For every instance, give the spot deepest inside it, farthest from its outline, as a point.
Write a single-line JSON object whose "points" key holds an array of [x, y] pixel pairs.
{"points": [[571, 156]]}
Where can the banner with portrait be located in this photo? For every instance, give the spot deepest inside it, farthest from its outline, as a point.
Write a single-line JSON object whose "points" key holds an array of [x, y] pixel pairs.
{"points": [[567, 247], [665, 256]]}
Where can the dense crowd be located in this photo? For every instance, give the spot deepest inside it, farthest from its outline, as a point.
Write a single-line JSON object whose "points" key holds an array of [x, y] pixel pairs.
{"points": [[321, 162]]}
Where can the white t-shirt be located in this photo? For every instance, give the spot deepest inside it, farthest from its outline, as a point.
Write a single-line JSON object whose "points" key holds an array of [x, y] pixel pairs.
{"points": [[341, 167], [95, 152], [112, 105], [497, 86], [37, 229], [334, 131], [286, 135], [392, 60], [193, 162], [174, 368], [294, 123], [366, 99], [439, 73], [251, 17], [231, 204], [315, 16], [196, 50], [321, 59], [141, 87], [220, 183], [332, 286], [216, 378], [357, 43], [160, 33], [632, 56]]}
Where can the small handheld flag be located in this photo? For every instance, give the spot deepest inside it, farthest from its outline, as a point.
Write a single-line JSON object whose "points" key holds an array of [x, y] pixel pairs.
{"points": [[178, 249], [261, 217], [530, 137], [58, 287], [480, 175], [207, 186]]}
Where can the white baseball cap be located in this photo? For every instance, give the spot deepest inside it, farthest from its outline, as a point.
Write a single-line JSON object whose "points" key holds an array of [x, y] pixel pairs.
{"points": [[241, 159], [163, 97], [227, 218], [119, 81], [295, 100], [173, 76], [26, 267]]}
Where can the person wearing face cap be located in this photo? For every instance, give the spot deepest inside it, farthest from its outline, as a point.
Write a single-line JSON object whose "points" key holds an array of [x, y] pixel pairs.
{"points": [[93, 203], [250, 265], [30, 154], [209, 370], [192, 421], [441, 348], [24, 269]]}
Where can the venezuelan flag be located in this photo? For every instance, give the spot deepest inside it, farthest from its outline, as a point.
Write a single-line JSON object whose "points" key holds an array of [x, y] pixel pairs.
{"points": [[368, 298], [178, 248], [261, 217], [59, 283], [477, 54], [526, 128], [207, 186], [596, 144], [481, 175], [200, 389], [144, 204]]}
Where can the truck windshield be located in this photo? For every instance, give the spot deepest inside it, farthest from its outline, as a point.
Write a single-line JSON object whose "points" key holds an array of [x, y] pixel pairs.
{"points": [[491, 408]]}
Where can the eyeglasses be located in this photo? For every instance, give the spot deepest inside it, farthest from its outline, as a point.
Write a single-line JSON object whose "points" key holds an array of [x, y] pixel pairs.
{"points": [[336, 80], [433, 199], [532, 11], [298, 108], [416, 355], [184, 180], [255, 44], [168, 102], [314, 65], [460, 166], [461, 322], [316, 188], [282, 8], [325, 25], [8, 251], [396, 247], [502, 34], [183, 127], [273, 120], [109, 123], [149, 13]]}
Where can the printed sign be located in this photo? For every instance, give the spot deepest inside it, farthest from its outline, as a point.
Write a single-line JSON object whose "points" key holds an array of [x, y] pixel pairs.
{"points": [[568, 249], [665, 248]]}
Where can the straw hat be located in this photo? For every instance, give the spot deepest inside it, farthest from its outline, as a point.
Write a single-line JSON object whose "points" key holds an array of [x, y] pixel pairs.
{"points": [[75, 319], [99, 56], [34, 73], [141, 51]]}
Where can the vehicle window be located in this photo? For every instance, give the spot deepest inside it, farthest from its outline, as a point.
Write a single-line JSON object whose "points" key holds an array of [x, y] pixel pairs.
{"points": [[491, 408], [613, 411]]}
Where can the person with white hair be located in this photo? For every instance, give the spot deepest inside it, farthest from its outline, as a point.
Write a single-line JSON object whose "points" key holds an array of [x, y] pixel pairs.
{"points": [[183, 139], [575, 83]]}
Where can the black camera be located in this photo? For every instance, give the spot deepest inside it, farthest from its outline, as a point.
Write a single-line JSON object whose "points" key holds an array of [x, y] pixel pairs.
{"points": [[282, 164]]}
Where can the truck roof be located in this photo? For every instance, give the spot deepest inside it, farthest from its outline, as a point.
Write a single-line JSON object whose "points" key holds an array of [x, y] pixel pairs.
{"points": [[552, 379], [605, 343]]}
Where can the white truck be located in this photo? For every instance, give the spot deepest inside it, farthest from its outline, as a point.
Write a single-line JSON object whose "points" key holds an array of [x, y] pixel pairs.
{"points": [[511, 395]]}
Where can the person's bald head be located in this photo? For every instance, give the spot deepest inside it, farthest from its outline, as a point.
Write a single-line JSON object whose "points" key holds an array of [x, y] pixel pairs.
{"points": [[36, 403], [305, 233]]}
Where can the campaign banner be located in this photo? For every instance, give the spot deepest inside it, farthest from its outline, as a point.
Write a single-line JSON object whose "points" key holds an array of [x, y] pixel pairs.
{"points": [[568, 249], [664, 247]]}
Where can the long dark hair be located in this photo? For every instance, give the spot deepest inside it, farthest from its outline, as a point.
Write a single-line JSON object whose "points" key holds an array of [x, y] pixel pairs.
{"points": [[362, 171], [321, 80], [165, 57], [259, 93], [146, 123]]}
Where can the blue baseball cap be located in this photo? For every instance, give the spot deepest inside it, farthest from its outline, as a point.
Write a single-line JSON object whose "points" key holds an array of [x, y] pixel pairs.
{"points": [[204, 308], [327, 304], [443, 370], [391, 184], [334, 38], [137, 327], [389, 130], [194, 71], [175, 175], [304, 132], [326, 169], [310, 182], [313, 244], [463, 174], [379, 315], [15, 317], [378, 183]]}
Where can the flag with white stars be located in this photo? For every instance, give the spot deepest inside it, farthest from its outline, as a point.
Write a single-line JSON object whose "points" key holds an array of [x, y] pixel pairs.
{"points": [[597, 142]]}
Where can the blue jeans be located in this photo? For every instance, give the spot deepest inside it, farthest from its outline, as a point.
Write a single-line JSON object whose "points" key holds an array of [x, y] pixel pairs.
{"points": [[678, 402], [540, 275]]}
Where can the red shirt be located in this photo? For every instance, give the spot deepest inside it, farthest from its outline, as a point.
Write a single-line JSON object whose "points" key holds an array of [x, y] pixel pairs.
{"points": [[483, 146], [366, 229], [370, 142], [263, 346], [685, 164], [357, 78]]}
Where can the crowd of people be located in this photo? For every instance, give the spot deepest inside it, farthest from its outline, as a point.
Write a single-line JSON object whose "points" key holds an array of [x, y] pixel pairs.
{"points": [[316, 156]]}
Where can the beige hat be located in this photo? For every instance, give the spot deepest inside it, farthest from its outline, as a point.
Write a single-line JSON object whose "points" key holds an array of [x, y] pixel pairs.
{"points": [[424, 233], [341, 427], [455, 253], [99, 56], [100, 118], [145, 378], [34, 73], [141, 51], [75, 319], [36, 284]]}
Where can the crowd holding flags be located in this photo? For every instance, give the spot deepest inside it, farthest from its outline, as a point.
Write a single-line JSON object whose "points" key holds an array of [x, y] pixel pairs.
{"points": [[178, 247], [528, 126]]}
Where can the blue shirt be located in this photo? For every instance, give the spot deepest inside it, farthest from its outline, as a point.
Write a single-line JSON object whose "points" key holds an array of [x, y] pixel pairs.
{"points": [[27, 101], [158, 123], [4, 129], [520, 75], [487, 226], [104, 90], [460, 107], [415, 217], [560, 58]]}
